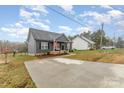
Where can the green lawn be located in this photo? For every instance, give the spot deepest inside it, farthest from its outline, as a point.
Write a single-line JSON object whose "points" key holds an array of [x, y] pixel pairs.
{"points": [[111, 56], [14, 74]]}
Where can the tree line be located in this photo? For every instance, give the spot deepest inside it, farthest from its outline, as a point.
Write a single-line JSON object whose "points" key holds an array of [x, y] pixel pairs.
{"points": [[106, 40], [7, 46]]}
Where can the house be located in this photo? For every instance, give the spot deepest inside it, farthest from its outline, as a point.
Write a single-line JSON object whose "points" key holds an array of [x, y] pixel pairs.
{"points": [[82, 43], [40, 41]]}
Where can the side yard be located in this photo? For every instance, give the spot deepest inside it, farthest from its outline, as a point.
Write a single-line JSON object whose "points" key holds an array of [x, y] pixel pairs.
{"points": [[112, 56], [14, 74]]}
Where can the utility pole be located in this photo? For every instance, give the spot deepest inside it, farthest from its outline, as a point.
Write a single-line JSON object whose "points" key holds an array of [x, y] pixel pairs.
{"points": [[101, 35], [114, 39]]}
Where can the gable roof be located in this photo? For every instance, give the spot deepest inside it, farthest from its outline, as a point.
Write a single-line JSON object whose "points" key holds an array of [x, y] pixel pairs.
{"points": [[86, 39], [44, 35], [63, 38]]}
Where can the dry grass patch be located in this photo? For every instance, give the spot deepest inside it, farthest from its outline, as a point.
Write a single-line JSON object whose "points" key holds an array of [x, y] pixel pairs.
{"points": [[14, 74], [113, 58], [109, 56]]}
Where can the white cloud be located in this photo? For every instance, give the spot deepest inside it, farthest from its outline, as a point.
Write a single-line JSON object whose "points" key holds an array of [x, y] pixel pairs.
{"points": [[106, 18], [37, 23], [106, 6], [23, 31], [36, 14], [84, 29], [97, 16], [5, 29], [33, 18], [68, 8], [90, 22], [103, 18], [18, 25], [29, 17], [47, 21], [25, 14], [15, 31], [65, 29], [120, 25], [13, 35], [115, 13], [39, 8], [40, 24]]}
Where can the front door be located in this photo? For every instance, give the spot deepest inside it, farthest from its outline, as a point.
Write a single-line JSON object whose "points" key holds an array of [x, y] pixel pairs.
{"points": [[62, 46]]}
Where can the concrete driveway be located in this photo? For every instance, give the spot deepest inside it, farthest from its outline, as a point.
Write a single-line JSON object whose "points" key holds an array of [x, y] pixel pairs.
{"points": [[66, 73]]}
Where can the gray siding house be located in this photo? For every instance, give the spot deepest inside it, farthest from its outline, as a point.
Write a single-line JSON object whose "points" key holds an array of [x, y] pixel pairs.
{"points": [[40, 41]]}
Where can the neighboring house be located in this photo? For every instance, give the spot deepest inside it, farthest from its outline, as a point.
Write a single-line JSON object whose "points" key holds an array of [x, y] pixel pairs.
{"points": [[40, 41], [82, 43]]}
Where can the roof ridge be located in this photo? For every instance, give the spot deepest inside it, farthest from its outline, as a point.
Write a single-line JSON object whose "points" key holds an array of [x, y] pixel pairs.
{"points": [[87, 39], [44, 35], [32, 29]]}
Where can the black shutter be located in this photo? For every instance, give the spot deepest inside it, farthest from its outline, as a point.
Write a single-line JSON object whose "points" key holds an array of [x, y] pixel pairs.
{"points": [[39, 45]]}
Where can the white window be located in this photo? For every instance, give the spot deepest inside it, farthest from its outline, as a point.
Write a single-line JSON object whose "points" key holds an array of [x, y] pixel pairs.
{"points": [[44, 45]]}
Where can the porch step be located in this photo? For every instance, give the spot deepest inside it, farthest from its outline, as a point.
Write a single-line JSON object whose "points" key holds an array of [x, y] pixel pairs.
{"points": [[58, 52]]}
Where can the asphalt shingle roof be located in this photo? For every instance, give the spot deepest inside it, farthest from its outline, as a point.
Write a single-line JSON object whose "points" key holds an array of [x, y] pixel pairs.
{"points": [[43, 35]]}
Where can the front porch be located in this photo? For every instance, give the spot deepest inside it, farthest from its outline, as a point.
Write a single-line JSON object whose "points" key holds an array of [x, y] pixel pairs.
{"points": [[55, 47], [59, 46]]}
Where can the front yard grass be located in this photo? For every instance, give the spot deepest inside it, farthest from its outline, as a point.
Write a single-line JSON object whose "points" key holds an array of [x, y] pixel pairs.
{"points": [[109, 56], [14, 74]]}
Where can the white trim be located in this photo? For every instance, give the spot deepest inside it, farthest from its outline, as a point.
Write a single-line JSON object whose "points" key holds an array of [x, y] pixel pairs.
{"points": [[44, 45], [86, 39]]}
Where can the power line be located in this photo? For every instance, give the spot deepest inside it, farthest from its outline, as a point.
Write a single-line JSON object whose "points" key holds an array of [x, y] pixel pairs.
{"points": [[65, 16]]}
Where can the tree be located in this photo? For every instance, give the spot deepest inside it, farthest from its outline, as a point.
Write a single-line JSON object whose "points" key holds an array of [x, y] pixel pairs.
{"points": [[24, 47], [96, 37], [120, 43], [110, 42], [70, 37], [86, 34]]}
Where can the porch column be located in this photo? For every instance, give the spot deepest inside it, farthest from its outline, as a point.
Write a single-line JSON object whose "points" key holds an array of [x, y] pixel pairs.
{"points": [[54, 45], [68, 46]]}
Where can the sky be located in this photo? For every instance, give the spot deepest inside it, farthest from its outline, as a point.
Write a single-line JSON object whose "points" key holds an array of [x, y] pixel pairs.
{"points": [[15, 21]]}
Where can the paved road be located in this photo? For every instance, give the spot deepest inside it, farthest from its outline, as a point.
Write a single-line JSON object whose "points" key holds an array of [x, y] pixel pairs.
{"points": [[58, 73]]}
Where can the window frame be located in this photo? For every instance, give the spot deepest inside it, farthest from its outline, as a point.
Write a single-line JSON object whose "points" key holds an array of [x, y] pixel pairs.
{"points": [[44, 45]]}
